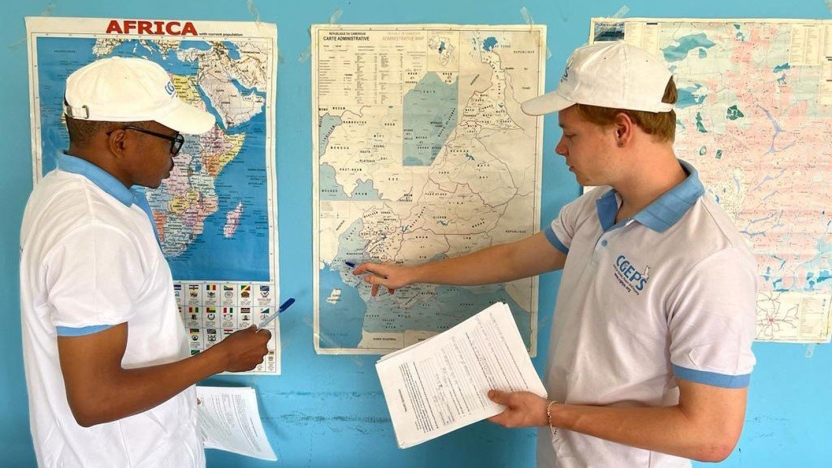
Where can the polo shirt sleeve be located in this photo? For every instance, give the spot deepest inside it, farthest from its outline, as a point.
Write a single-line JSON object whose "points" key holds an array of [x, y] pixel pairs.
{"points": [[93, 276], [713, 320], [561, 230]]}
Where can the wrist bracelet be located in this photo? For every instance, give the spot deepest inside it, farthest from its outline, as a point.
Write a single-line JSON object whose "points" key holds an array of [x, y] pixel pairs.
{"points": [[549, 417]]}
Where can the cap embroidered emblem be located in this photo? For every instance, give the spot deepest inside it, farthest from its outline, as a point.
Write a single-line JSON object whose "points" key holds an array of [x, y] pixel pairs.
{"points": [[615, 75], [565, 75]]}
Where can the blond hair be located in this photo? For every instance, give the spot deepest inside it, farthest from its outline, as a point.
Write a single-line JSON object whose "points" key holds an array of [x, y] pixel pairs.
{"points": [[662, 125]]}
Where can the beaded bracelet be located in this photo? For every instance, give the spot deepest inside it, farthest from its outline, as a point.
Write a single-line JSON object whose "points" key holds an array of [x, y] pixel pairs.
{"points": [[549, 416]]}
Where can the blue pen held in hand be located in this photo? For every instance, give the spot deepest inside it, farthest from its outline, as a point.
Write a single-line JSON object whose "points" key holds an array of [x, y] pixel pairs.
{"points": [[273, 316]]}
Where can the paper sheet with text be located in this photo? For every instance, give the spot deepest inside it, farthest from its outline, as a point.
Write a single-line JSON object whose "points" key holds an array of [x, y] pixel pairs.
{"points": [[441, 384], [230, 420]]}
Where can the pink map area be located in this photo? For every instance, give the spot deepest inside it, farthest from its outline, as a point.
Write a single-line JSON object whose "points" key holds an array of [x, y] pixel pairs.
{"points": [[770, 167]]}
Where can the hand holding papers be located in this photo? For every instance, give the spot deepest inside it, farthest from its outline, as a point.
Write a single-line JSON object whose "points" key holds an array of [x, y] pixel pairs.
{"points": [[441, 384]]}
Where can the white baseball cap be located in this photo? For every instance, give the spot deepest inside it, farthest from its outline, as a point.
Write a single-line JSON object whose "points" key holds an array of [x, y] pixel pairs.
{"points": [[615, 75], [120, 89]]}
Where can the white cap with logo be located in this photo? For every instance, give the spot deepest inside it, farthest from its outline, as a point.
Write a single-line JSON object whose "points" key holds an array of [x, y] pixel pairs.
{"points": [[615, 75], [130, 90]]}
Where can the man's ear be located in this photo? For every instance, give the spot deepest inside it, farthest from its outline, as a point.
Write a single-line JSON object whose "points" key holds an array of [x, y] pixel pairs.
{"points": [[624, 128], [117, 142]]}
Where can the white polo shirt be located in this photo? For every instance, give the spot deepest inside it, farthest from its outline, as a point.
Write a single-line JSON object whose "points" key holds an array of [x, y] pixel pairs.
{"points": [[668, 294], [89, 261]]}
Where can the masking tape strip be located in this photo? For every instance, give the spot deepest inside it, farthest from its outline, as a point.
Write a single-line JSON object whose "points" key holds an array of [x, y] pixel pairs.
{"points": [[47, 11], [527, 17], [336, 15], [622, 12]]}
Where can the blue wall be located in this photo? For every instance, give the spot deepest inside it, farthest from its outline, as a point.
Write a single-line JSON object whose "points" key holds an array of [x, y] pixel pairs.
{"points": [[328, 410]]}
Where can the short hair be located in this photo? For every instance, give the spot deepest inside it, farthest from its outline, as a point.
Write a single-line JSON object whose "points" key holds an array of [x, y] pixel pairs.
{"points": [[81, 132], [662, 125]]}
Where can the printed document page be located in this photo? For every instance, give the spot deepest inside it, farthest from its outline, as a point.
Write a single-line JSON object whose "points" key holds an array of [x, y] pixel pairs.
{"points": [[441, 384], [229, 420]]}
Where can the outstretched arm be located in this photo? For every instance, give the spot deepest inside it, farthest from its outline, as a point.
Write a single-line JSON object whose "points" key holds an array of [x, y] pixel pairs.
{"points": [[100, 390], [498, 264], [704, 426]]}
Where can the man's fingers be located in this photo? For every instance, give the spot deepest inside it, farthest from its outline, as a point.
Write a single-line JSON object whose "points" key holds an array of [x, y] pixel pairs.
{"points": [[360, 269], [498, 397], [496, 418], [502, 419]]}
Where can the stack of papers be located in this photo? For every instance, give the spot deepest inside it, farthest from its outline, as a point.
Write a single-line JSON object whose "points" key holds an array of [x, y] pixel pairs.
{"points": [[441, 384], [229, 420]]}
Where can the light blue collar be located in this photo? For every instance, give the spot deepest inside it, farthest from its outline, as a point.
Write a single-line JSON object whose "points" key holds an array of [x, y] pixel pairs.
{"points": [[664, 212], [103, 179]]}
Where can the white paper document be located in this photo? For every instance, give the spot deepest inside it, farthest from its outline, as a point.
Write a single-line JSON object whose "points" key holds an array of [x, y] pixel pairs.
{"points": [[229, 420], [441, 384]]}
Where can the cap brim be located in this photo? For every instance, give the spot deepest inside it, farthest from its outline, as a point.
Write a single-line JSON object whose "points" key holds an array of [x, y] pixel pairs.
{"points": [[546, 104], [188, 120]]}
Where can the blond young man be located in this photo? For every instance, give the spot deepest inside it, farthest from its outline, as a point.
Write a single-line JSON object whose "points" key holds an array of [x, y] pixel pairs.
{"points": [[650, 354]]}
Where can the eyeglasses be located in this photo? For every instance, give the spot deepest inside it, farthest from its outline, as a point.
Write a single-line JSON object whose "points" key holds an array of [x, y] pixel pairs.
{"points": [[176, 141]]}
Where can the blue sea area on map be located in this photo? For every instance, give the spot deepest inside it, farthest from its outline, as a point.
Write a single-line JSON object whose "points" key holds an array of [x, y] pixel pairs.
{"points": [[329, 188], [199, 45], [152, 52], [489, 43], [241, 257], [219, 122], [688, 97], [685, 44], [246, 90], [781, 67], [327, 125], [341, 322], [233, 50], [365, 191], [430, 116], [417, 307]]}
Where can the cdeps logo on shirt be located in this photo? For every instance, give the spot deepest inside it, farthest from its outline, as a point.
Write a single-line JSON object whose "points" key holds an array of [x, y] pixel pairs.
{"points": [[629, 276]]}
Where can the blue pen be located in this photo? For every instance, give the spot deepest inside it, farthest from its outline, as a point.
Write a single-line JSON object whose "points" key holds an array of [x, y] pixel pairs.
{"points": [[273, 316], [352, 265]]}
